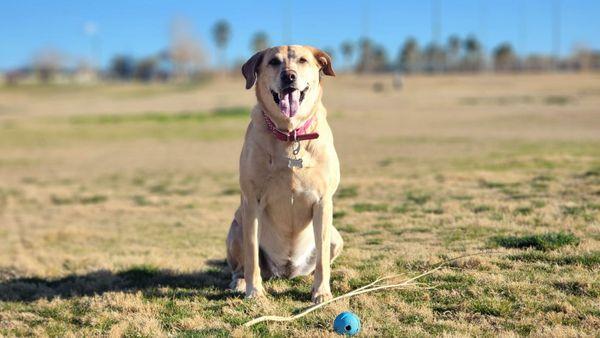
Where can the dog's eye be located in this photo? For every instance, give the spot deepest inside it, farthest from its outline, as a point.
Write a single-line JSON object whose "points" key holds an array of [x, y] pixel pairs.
{"points": [[302, 60], [275, 62]]}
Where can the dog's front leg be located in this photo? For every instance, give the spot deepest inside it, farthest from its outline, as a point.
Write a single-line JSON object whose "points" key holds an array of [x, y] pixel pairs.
{"points": [[252, 276], [322, 220]]}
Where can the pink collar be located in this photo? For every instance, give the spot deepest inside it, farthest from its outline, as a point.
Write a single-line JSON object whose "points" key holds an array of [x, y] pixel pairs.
{"points": [[295, 135]]}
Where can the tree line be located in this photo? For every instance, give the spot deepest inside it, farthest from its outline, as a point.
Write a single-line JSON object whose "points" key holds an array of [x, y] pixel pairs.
{"points": [[186, 58], [458, 55], [366, 56]]}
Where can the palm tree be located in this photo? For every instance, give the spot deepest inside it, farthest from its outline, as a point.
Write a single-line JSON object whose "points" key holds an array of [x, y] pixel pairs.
{"points": [[365, 62], [453, 52], [221, 34], [379, 59], [473, 57], [504, 57], [47, 63], [409, 58], [347, 50], [435, 58], [260, 41]]}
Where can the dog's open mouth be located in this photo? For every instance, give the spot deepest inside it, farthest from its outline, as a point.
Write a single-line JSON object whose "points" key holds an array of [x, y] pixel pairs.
{"points": [[289, 100]]}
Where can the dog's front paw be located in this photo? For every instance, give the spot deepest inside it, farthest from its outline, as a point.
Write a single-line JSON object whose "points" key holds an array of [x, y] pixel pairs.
{"points": [[320, 296], [255, 292], [238, 285]]}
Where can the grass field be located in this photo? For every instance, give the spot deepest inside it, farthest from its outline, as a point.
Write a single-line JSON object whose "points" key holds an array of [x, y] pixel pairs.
{"points": [[115, 202]]}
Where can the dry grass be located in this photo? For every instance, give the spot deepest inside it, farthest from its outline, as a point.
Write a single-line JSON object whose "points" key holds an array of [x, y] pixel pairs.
{"points": [[115, 202]]}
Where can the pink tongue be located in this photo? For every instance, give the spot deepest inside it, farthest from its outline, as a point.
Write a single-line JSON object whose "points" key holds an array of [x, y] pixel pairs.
{"points": [[289, 103]]}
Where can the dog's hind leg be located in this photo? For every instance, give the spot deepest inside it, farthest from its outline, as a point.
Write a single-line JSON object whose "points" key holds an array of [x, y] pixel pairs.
{"points": [[235, 256]]}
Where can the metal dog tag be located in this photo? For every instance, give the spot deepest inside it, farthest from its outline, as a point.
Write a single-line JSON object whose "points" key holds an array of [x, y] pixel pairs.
{"points": [[294, 162]]}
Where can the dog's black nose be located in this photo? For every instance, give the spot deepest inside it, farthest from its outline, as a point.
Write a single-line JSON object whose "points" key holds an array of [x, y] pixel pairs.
{"points": [[288, 77]]}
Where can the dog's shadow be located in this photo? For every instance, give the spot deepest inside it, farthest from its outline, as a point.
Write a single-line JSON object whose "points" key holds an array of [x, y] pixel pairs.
{"points": [[210, 283]]}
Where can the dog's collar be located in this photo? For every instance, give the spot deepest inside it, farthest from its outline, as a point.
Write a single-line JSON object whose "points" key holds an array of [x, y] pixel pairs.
{"points": [[299, 134]]}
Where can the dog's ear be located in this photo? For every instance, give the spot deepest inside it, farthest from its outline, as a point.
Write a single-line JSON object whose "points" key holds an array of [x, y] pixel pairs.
{"points": [[324, 61], [250, 68]]}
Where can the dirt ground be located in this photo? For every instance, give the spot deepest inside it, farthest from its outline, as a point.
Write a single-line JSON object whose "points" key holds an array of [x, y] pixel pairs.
{"points": [[115, 201]]}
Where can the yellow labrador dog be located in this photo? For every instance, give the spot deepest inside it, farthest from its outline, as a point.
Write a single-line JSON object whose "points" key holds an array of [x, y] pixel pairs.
{"points": [[289, 171]]}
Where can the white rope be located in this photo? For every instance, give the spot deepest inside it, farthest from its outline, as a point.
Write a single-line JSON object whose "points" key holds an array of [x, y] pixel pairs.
{"points": [[373, 286]]}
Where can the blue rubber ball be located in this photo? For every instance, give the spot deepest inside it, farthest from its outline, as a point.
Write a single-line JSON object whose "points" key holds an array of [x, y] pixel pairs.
{"points": [[346, 323]]}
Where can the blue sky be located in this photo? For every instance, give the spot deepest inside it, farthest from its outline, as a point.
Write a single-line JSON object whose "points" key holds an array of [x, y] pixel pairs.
{"points": [[142, 27]]}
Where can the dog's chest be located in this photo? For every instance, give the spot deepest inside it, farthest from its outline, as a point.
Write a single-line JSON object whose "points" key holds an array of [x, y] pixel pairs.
{"points": [[291, 190], [286, 235], [288, 194], [288, 181]]}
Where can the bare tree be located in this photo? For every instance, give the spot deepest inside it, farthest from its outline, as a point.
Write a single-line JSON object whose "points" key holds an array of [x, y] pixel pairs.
{"points": [[584, 58], [185, 50], [537, 63], [47, 62], [260, 41], [222, 34]]}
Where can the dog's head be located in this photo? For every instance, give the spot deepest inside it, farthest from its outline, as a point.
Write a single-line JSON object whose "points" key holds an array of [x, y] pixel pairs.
{"points": [[287, 81]]}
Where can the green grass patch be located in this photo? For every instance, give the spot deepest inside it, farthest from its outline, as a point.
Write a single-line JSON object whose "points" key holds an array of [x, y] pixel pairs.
{"points": [[85, 199], [141, 200], [339, 214], [462, 197], [497, 100], [481, 208], [491, 307], [140, 274], [348, 228], [403, 208], [418, 197], [384, 225], [547, 241], [162, 117], [492, 184], [347, 192], [374, 241], [577, 288], [92, 199], [573, 210], [385, 162], [463, 234], [370, 207], [208, 332], [558, 100], [230, 191], [591, 259], [172, 313], [593, 172], [437, 210], [523, 211]]}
